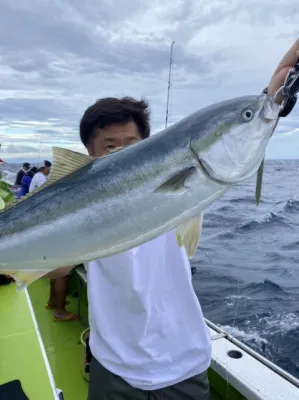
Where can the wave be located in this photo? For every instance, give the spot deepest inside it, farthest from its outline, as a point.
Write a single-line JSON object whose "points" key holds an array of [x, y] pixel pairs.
{"points": [[262, 334], [291, 246], [248, 200], [280, 271], [251, 337], [225, 209], [9, 176], [273, 336], [226, 235], [267, 286], [219, 219], [291, 206], [236, 299], [282, 323], [270, 219], [274, 256]]}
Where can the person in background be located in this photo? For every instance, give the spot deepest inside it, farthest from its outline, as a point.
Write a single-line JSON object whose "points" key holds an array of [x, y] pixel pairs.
{"points": [[41, 176], [22, 171], [57, 297], [48, 166], [26, 180], [38, 179]]}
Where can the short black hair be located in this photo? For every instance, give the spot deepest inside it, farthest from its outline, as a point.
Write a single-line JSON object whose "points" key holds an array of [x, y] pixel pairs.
{"points": [[47, 163], [111, 110], [26, 165], [32, 171]]}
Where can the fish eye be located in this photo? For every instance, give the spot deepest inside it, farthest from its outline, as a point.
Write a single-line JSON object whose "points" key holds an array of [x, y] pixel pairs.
{"points": [[247, 115]]}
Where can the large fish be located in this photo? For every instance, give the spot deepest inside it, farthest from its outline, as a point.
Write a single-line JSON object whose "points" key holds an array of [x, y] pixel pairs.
{"points": [[96, 207]]}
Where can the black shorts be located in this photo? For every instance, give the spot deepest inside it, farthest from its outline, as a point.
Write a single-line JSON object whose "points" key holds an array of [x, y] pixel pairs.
{"points": [[103, 385]]}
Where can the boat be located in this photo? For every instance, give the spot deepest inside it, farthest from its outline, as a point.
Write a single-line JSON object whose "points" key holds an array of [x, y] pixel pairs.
{"points": [[48, 358]]}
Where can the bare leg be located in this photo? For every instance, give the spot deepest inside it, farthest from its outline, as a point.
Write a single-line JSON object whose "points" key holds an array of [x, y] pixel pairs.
{"points": [[51, 301], [60, 292]]}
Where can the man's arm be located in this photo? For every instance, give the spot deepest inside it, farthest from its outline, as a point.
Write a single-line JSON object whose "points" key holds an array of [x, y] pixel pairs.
{"points": [[18, 178], [32, 185], [287, 62]]}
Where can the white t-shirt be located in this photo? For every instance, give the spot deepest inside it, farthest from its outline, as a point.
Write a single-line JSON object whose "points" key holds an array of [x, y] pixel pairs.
{"points": [[38, 179], [146, 324]]}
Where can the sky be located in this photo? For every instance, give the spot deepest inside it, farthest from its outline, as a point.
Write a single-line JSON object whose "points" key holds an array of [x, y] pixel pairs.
{"points": [[58, 57]]}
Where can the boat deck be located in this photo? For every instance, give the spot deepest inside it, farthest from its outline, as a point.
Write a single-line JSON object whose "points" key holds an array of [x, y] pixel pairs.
{"points": [[22, 354], [61, 342], [38, 351]]}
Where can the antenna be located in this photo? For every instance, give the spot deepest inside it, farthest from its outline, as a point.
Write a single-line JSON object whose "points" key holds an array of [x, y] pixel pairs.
{"points": [[169, 82]]}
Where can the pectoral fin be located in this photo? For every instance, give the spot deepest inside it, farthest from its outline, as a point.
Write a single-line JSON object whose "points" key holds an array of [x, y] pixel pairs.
{"points": [[180, 182], [188, 234], [259, 181]]}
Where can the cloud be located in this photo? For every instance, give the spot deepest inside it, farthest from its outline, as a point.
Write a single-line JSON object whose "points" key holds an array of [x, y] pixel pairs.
{"points": [[57, 58], [20, 149]]}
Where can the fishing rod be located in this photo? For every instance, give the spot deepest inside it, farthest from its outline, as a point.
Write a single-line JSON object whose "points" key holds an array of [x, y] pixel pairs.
{"points": [[169, 82]]}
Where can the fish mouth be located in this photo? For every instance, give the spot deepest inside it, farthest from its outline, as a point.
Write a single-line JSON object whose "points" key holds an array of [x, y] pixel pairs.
{"points": [[238, 170], [228, 182], [209, 173]]}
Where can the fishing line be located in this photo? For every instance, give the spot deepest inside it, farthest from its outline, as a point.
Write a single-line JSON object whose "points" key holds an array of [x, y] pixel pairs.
{"points": [[226, 342], [171, 95], [206, 254]]}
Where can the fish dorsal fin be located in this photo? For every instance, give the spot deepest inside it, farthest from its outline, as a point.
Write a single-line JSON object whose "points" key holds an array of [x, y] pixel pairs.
{"points": [[65, 162], [188, 234]]}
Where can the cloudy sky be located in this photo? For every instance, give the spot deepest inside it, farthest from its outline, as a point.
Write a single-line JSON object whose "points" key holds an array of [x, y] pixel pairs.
{"points": [[58, 57]]}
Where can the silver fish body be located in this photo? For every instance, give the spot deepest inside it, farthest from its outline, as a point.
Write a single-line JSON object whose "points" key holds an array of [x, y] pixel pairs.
{"points": [[123, 200]]}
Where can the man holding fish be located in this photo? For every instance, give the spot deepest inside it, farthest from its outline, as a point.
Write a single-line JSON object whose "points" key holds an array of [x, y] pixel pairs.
{"points": [[137, 214]]}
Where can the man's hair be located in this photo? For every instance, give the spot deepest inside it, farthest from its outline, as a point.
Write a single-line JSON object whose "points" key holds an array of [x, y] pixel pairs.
{"points": [[111, 110], [47, 163], [32, 171], [26, 165]]}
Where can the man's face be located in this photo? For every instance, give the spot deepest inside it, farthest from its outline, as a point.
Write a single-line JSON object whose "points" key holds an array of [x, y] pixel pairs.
{"points": [[47, 170], [116, 135]]}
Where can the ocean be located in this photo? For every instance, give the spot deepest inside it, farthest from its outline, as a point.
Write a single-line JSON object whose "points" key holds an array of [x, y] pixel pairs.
{"points": [[247, 278], [247, 264], [10, 170]]}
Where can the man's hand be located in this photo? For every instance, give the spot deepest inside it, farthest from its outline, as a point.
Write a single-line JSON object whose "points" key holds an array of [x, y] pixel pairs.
{"points": [[288, 61]]}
